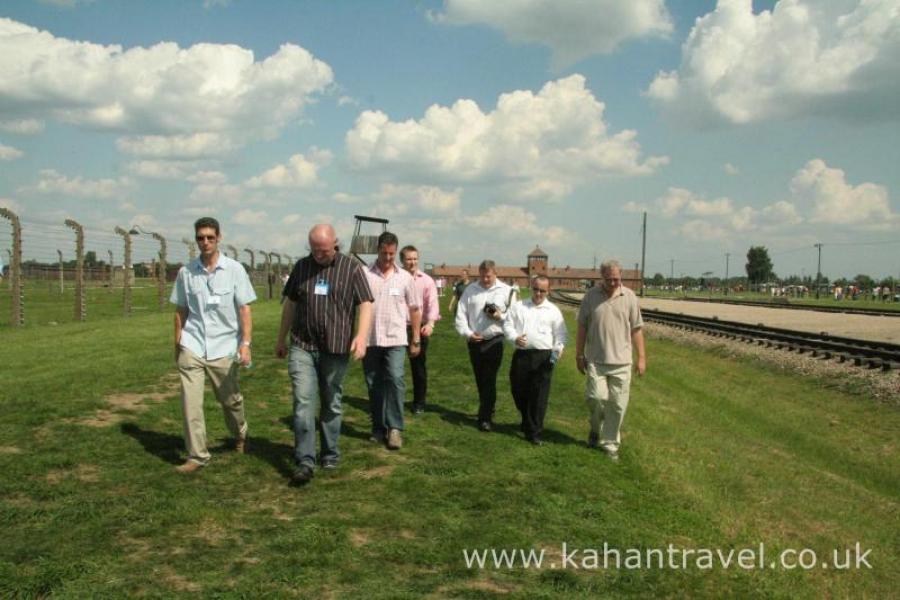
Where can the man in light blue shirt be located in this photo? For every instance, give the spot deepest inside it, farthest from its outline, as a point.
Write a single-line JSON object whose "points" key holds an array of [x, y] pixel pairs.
{"points": [[213, 330]]}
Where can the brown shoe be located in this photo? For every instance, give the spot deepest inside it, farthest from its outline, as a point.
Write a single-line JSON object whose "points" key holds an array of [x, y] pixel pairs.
{"points": [[240, 445], [189, 466], [395, 440]]}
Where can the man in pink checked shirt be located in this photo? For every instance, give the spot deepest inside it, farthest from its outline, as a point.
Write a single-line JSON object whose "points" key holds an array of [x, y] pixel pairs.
{"points": [[396, 304], [428, 296]]}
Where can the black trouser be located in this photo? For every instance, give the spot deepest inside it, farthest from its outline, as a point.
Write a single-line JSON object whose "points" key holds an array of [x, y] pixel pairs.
{"points": [[529, 378], [419, 372], [486, 358]]}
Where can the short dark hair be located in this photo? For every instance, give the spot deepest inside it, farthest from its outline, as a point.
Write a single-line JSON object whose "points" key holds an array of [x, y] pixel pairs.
{"points": [[387, 239], [204, 222], [405, 249], [487, 265]]}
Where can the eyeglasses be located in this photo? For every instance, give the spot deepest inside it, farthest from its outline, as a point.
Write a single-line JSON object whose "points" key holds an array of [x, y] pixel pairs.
{"points": [[206, 238]]}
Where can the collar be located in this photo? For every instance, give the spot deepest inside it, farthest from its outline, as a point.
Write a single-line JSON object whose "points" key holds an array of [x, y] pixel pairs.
{"points": [[377, 270], [620, 291], [198, 266]]}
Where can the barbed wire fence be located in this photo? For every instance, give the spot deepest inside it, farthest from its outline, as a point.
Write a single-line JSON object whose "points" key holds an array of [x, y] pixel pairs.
{"points": [[59, 273]]}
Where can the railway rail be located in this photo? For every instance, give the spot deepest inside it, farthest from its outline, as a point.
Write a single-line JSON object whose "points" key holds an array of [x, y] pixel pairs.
{"points": [[764, 304], [864, 353]]}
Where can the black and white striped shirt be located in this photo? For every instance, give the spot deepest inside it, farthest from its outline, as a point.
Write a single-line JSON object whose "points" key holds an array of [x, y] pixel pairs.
{"points": [[324, 322]]}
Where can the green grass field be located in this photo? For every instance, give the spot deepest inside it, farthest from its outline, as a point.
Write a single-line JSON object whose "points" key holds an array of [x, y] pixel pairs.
{"points": [[717, 454]]}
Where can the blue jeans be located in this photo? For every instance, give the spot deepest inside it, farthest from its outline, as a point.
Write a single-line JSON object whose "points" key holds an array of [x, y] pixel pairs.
{"points": [[316, 375], [383, 367]]}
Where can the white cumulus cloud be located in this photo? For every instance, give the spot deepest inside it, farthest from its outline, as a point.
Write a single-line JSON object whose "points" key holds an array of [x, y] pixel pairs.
{"points": [[249, 217], [167, 100], [165, 169], [572, 29], [53, 182], [832, 200], [22, 126], [12, 205], [679, 200], [510, 221], [299, 172], [840, 57], [428, 199], [9, 153], [549, 141]]}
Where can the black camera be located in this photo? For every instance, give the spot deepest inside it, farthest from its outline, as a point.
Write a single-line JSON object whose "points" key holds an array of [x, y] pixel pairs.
{"points": [[491, 310]]}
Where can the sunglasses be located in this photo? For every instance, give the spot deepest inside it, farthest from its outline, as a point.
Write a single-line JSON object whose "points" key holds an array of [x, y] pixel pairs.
{"points": [[206, 238]]}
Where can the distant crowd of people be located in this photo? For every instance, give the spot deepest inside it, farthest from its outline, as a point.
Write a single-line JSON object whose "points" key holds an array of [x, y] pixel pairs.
{"points": [[336, 309]]}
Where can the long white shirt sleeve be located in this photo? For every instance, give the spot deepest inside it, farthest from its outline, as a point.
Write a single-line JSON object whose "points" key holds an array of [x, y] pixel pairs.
{"points": [[543, 324], [470, 317]]}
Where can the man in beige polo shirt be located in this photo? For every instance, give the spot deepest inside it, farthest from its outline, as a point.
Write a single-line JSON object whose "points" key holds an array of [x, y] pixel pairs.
{"points": [[609, 324]]}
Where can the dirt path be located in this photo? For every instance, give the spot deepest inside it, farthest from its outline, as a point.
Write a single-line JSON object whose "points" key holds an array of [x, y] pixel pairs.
{"points": [[865, 327]]}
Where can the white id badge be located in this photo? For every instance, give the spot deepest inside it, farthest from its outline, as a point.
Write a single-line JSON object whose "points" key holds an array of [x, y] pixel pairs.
{"points": [[321, 288], [213, 301], [394, 291]]}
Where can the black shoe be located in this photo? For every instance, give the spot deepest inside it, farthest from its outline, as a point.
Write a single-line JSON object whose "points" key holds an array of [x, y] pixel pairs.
{"points": [[302, 475], [484, 426], [418, 410], [329, 464], [536, 441]]}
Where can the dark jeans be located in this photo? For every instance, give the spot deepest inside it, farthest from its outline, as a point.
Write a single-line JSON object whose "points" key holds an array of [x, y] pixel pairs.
{"points": [[486, 358], [316, 377], [529, 378], [383, 368], [419, 373]]}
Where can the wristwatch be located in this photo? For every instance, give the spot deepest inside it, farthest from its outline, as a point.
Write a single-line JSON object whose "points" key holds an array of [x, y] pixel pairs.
{"points": [[247, 344]]}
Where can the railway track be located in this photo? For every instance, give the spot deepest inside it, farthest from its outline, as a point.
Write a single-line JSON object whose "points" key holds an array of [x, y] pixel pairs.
{"points": [[828, 309], [863, 353]]}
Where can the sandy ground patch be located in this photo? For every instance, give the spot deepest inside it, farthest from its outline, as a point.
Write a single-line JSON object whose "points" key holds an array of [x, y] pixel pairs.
{"points": [[85, 473], [122, 405]]}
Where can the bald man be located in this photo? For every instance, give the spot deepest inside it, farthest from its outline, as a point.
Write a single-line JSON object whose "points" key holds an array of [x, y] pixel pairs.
{"points": [[320, 303]]}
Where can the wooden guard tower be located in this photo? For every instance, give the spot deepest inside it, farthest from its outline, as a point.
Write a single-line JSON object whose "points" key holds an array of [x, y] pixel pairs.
{"points": [[365, 244]]}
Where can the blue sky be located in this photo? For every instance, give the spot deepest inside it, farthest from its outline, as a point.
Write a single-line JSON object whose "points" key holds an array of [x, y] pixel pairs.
{"points": [[479, 129]]}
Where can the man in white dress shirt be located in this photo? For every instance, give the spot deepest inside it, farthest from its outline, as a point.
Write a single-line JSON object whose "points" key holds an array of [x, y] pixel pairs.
{"points": [[538, 330], [479, 319]]}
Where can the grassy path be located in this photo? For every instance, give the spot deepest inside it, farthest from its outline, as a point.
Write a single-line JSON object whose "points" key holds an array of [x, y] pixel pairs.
{"points": [[716, 454]]}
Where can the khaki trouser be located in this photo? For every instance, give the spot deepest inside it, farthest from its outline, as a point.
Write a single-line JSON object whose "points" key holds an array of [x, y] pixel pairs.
{"points": [[607, 392], [223, 374]]}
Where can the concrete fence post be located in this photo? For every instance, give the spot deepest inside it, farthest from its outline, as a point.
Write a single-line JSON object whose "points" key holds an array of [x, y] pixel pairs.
{"points": [[126, 272], [111, 271], [80, 306], [268, 271], [62, 282], [15, 269], [192, 247]]}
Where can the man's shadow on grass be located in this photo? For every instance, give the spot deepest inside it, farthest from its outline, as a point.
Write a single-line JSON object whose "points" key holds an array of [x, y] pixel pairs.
{"points": [[458, 418], [168, 448], [165, 446]]}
